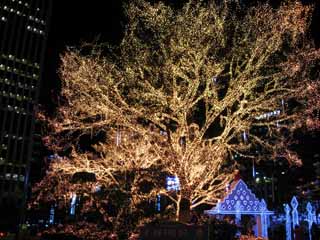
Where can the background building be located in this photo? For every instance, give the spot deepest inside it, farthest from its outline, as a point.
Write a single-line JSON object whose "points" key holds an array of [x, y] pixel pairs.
{"points": [[23, 31]]}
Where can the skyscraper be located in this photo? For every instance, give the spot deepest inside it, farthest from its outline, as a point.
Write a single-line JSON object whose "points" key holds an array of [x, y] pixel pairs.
{"points": [[23, 35]]}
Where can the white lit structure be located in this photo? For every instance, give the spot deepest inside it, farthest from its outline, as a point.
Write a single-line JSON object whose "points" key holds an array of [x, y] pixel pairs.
{"points": [[241, 201]]}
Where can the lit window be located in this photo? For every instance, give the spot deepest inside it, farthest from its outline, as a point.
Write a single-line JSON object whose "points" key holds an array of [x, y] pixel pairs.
{"points": [[15, 177], [21, 178]]}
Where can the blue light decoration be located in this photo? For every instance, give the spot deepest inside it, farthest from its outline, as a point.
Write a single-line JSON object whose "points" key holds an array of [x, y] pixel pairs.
{"points": [[173, 183], [267, 115], [264, 221], [287, 209], [314, 216], [218, 206], [245, 136], [97, 189], [51, 215], [310, 218], [227, 187], [214, 79], [282, 104], [238, 214], [241, 201], [295, 214], [73, 204], [158, 203], [253, 170]]}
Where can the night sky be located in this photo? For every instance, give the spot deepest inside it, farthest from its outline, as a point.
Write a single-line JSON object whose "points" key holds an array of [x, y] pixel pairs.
{"points": [[76, 21]]}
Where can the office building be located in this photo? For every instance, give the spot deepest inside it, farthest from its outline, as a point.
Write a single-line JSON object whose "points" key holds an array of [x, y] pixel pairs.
{"points": [[23, 30]]}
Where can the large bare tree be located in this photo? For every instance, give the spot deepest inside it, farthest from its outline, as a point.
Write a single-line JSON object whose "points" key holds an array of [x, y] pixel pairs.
{"points": [[186, 91]]}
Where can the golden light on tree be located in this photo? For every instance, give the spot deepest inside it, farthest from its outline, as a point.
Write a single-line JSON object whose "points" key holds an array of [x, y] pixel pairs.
{"points": [[184, 93]]}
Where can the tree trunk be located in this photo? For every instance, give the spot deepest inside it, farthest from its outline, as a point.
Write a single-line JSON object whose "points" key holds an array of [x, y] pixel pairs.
{"points": [[178, 208]]}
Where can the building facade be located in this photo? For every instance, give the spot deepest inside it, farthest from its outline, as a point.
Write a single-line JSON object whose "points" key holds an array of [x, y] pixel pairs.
{"points": [[23, 31]]}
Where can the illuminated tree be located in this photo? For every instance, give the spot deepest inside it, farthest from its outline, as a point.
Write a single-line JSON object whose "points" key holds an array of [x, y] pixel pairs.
{"points": [[313, 103], [184, 93]]}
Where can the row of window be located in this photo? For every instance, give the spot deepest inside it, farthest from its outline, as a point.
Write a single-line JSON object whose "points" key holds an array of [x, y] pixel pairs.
{"points": [[37, 20], [16, 109], [21, 3], [19, 84], [10, 165], [12, 10], [12, 176], [10, 186], [19, 138], [14, 126], [18, 72], [18, 97], [15, 96], [35, 30], [3, 147], [14, 153], [20, 13], [18, 60]]}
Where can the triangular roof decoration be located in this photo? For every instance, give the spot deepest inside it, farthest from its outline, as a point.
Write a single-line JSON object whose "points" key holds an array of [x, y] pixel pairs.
{"points": [[240, 200]]}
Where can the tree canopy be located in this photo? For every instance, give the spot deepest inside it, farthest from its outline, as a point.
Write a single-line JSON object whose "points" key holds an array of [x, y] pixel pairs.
{"points": [[187, 90]]}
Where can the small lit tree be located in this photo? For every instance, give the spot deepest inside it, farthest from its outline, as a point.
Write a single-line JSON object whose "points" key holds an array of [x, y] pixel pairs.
{"points": [[184, 93]]}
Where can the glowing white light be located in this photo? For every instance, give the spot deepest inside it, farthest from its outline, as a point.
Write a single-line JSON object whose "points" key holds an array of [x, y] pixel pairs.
{"points": [[288, 222], [73, 204], [173, 183], [51, 217], [295, 214]]}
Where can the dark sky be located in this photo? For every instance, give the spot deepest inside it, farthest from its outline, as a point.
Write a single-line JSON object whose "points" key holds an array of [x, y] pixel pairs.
{"points": [[75, 21]]}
